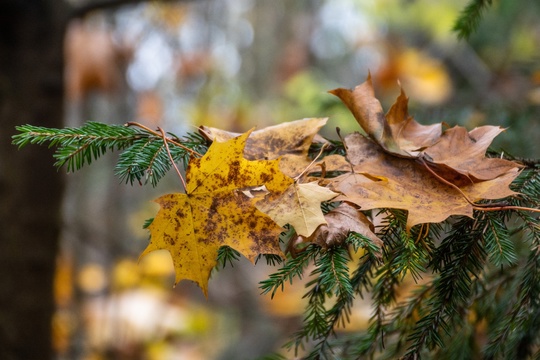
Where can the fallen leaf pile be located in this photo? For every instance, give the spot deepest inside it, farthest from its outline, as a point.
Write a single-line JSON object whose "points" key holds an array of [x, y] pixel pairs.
{"points": [[248, 186]]}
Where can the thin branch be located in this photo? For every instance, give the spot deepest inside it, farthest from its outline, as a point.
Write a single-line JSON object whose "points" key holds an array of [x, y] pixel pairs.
{"points": [[311, 164], [145, 128], [171, 158]]}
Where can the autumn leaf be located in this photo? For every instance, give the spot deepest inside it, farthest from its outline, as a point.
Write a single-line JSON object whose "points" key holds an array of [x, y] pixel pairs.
{"points": [[339, 223], [215, 212], [396, 132], [293, 137], [289, 141], [380, 180], [464, 152], [409, 135], [299, 206]]}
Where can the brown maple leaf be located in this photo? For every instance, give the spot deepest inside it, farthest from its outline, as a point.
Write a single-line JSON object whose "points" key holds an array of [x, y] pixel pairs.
{"points": [[464, 152], [380, 180], [396, 132], [339, 223]]}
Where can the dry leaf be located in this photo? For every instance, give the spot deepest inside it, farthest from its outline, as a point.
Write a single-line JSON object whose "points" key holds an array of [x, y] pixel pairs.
{"points": [[409, 135], [289, 141], [340, 221], [299, 206], [215, 212], [396, 132], [464, 152], [381, 180], [288, 138]]}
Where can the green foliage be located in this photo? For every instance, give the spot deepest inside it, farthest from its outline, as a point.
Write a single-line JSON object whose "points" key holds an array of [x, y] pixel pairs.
{"points": [[226, 254], [78, 146], [470, 17], [465, 288], [143, 159], [294, 267]]}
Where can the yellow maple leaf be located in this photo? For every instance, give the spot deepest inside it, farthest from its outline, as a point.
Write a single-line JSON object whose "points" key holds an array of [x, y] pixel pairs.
{"points": [[299, 205], [215, 212]]}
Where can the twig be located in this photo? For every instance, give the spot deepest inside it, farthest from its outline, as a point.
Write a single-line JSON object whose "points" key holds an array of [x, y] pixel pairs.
{"points": [[310, 164], [171, 158], [421, 234], [145, 128]]}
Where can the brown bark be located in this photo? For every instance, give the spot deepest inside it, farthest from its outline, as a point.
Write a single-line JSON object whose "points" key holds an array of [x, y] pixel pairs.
{"points": [[31, 92]]}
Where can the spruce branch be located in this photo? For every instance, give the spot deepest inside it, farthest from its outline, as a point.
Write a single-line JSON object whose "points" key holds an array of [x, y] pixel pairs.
{"points": [[470, 17], [331, 280], [293, 267], [78, 146], [517, 332], [144, 157], [226, 254], [459, 258], [498, 244]]}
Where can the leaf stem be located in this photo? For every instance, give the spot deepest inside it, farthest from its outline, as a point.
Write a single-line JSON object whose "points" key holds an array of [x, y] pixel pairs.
{"points": [[504, 207], [171, 158], [480, 207], [447, 182]]}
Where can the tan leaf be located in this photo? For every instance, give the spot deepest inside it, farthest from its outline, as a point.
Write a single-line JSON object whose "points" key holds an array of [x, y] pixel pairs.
{"points": [[396, 132], [289, 141], [299, 206], [381, 180], [464, 152], [288, 138], [497, 188], [339, 222], [409, 135]]}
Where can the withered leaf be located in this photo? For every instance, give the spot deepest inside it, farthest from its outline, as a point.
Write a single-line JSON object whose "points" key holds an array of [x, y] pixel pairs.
{"points": [[289, 140], [464, 152], [380, 180], [339, 222], [215, 212], [396, 132], [299, 206]]}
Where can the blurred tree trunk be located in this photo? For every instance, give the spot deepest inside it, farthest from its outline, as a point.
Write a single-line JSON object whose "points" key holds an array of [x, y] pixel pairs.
{"points": [[31, 91]]}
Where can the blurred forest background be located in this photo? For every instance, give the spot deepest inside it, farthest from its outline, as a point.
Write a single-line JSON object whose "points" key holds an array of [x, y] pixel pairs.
{"points": [[233, 65]]}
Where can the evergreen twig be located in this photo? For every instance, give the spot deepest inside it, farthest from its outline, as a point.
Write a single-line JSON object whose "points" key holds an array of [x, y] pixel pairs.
{"points": [[144, 157], [470, 17]]}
